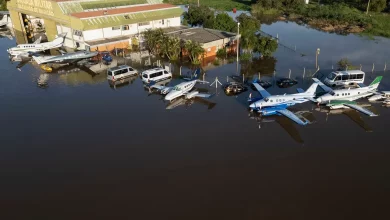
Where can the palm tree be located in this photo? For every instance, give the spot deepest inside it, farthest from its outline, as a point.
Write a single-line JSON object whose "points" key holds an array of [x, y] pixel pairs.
{"points": [[194, 50], [153, 40], [171, 47]]}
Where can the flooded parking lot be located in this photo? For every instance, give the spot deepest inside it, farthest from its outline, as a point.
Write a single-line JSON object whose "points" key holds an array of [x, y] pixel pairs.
{"points": [[76, 147]]}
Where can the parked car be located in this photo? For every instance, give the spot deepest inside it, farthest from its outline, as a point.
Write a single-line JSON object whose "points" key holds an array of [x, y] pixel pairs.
{"points": [[233, 88], [286, 82], [264, 84]]}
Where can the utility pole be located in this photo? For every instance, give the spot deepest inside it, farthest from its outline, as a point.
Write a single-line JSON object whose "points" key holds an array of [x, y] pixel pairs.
{"points": [[368, 6], [317, 53], [238, 38]]}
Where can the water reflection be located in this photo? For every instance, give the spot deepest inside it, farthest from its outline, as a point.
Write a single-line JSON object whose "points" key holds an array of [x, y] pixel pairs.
{"points": [[181, 101], [285, 123], [117, 84], [352, 114]]}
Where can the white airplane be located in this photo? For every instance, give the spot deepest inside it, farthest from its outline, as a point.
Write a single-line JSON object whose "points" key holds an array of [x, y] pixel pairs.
{"points": [[278, 104], [343, 98], [37, 46], [181, 89]]}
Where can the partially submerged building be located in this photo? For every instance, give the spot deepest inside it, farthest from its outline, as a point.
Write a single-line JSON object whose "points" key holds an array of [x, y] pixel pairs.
{"points": [[93, 24]]}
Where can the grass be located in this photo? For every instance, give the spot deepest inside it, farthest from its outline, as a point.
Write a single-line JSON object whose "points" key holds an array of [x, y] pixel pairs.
{"points": [[226, 5]]}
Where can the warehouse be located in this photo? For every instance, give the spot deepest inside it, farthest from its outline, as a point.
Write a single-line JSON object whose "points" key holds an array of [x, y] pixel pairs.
{"points": [[91, 24]]}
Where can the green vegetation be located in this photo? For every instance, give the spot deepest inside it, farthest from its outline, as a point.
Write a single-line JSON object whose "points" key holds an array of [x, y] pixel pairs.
{"points": [[3, 5], [171, 47], [110, 3], [153, 40], [226, 5], [266, 46], [222, 53], [345, 16], [344, 64], [195, 50]]}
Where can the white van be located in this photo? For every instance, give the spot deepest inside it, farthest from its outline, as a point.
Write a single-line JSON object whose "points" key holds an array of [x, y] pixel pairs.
{"points": [[120, 72], [344, 78], [156, 74]]}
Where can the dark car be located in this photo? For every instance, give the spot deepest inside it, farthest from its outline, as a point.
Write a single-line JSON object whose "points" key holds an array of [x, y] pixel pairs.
{"points": [[264, 84], [233, 88], [286, 82]]}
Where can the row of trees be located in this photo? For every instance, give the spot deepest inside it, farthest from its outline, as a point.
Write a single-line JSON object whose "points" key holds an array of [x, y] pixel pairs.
{"points": [[159, 43], [206, 17], [249, 27]]}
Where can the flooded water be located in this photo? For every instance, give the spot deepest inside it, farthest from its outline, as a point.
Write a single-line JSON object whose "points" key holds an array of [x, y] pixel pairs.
{"points": [[77, 148]]}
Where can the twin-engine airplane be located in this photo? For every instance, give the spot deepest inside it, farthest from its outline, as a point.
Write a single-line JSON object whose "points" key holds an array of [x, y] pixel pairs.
{"points": [[278, 104]]}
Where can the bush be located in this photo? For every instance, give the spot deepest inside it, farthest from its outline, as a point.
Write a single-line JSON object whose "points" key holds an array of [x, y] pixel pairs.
{"points": [[222, 53], [245, 57]]}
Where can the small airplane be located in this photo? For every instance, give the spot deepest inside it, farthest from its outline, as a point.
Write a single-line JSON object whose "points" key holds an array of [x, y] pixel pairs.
{"points": [[343, 98], [181, 89], [278, 104], [37, 46], [65, 58]]}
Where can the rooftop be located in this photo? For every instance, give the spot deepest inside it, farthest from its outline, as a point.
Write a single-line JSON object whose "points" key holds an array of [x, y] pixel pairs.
{"points": [[200, 35]]}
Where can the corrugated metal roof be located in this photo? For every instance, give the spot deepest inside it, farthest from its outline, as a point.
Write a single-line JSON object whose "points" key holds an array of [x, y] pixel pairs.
{"points": [[111, 21]]}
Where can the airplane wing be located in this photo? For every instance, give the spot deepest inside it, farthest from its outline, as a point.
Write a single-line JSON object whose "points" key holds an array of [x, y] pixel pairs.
{"points": [[38, 41], [322, 85], [158, 87], [361, 109], [261, 90], [292, 116], [203, 95]]}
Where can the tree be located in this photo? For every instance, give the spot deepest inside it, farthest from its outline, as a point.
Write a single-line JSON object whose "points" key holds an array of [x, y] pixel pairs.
{"points": [[376, 5], [3, 5], [268, 4], [248, 27], [153, 39], [171, 47], [194, 50], [197, 16], [224, 22], [266, 46]]}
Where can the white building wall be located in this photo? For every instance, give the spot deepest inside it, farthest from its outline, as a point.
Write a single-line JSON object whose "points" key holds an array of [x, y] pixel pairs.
{"points": [[69, 42], [133, 29], [174, 22], [93, 34], [108, 32]]}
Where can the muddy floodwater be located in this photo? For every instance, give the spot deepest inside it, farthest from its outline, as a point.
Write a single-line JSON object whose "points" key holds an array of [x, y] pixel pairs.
{"points": [[76, 147]]}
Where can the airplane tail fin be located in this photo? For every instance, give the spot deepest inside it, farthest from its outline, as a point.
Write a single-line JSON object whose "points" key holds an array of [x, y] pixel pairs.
{"points": [[59, 39], [312, 89], [376, 81]]}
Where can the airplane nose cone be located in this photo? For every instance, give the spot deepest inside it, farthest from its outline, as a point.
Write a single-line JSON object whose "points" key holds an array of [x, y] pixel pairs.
{"points": [[252, 105], [319, 100]]}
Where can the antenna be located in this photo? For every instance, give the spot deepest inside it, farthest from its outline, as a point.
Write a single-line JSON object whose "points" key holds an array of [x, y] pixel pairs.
{"points": [[216, 82]]}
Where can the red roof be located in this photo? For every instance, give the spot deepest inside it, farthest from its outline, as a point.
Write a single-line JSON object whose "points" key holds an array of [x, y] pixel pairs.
{"points": [[88, 14]]}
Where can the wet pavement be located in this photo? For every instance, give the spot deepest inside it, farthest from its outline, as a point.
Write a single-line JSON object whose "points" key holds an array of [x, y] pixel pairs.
{"points": [[76, 147]]}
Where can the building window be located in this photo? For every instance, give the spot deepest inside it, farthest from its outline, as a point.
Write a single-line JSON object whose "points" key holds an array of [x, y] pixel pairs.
{"points": [[162, 21], [78, 33], [127, 17], [116, 28], [125, 27], [144, 23]]}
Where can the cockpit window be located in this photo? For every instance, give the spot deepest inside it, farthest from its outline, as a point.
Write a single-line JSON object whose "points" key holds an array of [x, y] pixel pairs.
{"points": [[266, 99], [331, 76], [331, 93], [176, 88]]}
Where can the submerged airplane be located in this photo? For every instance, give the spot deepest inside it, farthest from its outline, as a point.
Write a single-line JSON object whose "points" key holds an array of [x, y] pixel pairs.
{"points": [[37, 46], [343, 98], [181, 89], [278, 104], [65, 57]]}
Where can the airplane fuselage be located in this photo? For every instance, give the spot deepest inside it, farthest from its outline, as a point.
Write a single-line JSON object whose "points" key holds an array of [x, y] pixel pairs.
{"points": [[277, 100], [347, 94], [180, 90], [33, 48]]}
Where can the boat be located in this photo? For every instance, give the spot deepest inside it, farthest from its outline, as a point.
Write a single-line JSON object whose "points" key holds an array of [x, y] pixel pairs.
{"points": [[46, 68]]}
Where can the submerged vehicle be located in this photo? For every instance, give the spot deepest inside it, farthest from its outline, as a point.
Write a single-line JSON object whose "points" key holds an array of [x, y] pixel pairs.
{"points": [[262, 83], [286, 82], [233, 88], [340, 78], [120, 72]]}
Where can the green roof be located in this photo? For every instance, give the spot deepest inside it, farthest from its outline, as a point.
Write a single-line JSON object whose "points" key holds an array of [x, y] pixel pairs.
{"points": [[80, 6], [112, 21]]}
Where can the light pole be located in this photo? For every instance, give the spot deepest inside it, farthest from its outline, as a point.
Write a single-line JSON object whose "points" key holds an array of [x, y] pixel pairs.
{"points": [[317, 53], [238, 38]]}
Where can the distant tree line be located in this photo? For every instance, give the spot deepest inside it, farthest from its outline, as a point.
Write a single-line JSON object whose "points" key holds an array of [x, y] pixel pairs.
{"points": [[3, 5]]}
